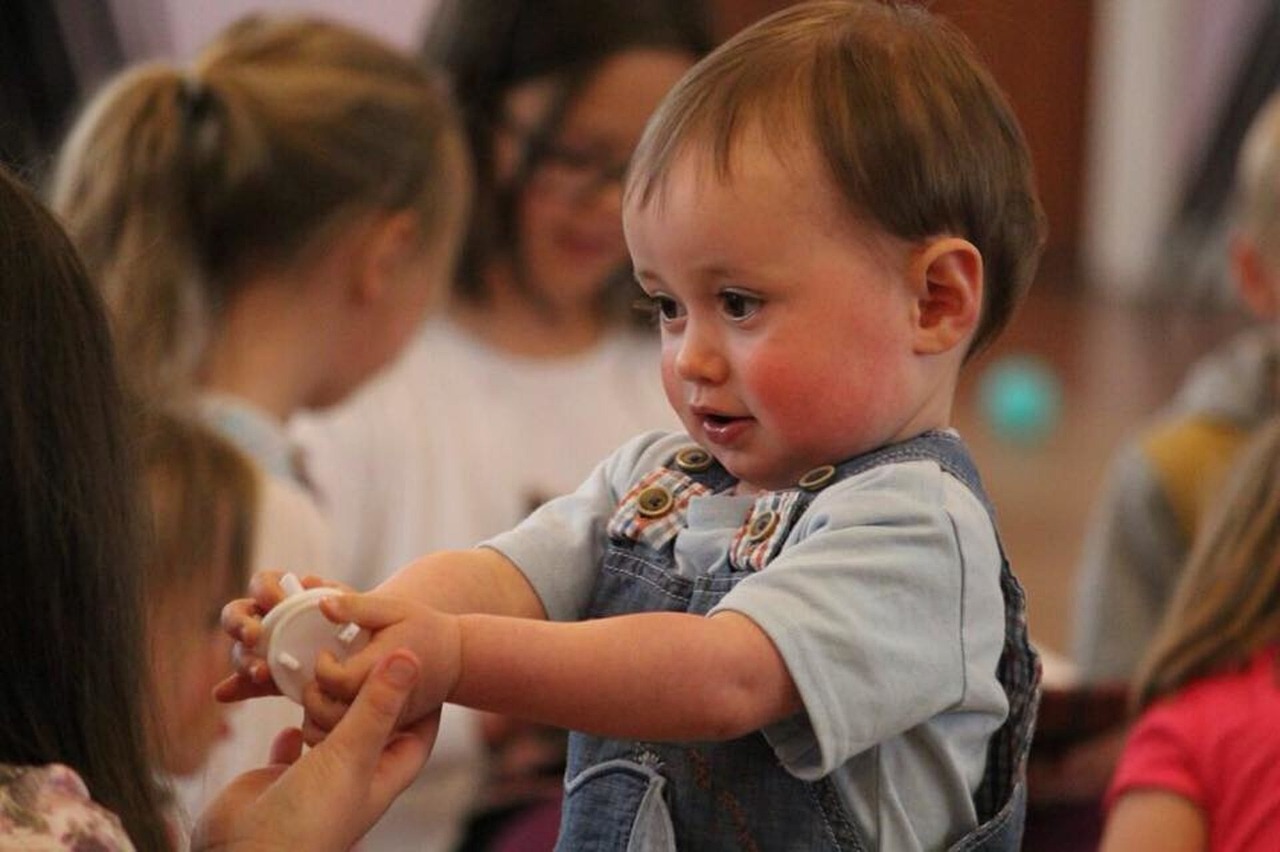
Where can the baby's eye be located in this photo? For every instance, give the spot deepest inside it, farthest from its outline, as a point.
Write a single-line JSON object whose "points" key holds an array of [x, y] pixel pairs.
{"points": [[739, 305], [665, 308], [658, 309]]}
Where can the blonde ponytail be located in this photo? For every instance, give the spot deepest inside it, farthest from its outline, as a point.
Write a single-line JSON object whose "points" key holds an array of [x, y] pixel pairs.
{"points": [[179, 186]]}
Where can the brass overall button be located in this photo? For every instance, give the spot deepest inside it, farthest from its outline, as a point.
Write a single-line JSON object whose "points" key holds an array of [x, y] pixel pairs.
{"points": [[654, 502], [762, 526], [693, 460], [818, 478]]}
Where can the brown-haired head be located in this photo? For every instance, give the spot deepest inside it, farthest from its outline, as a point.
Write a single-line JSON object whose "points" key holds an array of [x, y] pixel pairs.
{"points": [[201, 489], [492, 48], [912, 130], [178, 184]]}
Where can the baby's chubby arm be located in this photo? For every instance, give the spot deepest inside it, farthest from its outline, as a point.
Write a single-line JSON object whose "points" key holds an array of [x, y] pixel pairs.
{"points": [[478, 580], [663, 676]]}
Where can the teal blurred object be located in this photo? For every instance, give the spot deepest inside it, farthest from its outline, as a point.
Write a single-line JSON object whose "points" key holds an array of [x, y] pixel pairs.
{"points": [[1020, 398]]}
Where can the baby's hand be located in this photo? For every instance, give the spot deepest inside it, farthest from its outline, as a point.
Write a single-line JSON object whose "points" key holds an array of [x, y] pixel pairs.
{"points": [[395, 623], [242, 619]]}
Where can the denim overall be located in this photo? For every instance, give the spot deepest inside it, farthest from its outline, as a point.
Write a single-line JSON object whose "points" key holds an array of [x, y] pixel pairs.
{"points": [[735, 795]]}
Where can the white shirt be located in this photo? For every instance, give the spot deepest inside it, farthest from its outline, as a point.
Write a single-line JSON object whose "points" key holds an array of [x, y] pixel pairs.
{"points": [[456, 442], [459, 441]]}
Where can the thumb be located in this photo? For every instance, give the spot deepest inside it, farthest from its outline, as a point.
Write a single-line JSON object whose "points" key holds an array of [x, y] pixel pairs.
{"points": [[358, 740], [403, 758]]}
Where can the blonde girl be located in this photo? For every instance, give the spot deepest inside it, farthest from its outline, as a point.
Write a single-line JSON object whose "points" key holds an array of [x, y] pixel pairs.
{"points": [[272, 221], [1201, 767]]}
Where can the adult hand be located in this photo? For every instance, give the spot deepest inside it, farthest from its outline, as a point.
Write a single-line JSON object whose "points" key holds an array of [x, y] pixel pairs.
{"points": [[330, 797]]}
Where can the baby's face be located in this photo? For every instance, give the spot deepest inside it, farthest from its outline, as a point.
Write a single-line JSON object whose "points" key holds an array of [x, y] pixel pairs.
{"points": [[786, 326]]}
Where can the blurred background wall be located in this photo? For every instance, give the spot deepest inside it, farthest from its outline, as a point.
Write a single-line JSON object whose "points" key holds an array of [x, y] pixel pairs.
{"points": [[1128, 105]]}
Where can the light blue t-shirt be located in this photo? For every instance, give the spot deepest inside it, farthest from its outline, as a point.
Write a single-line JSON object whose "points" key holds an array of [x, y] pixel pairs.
{"points": [[885, 604]]}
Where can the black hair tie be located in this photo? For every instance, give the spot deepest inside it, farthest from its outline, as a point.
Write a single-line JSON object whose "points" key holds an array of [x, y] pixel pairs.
{"points": [[196, 99]]}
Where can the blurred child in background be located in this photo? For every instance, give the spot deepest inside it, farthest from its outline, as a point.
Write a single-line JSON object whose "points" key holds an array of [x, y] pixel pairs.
{"points": [[1163, 480], [202, 493], [1201, 767], [269, 226]]}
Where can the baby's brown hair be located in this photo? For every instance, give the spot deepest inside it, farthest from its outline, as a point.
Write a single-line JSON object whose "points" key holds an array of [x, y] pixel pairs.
{"points": [[915, 135]]}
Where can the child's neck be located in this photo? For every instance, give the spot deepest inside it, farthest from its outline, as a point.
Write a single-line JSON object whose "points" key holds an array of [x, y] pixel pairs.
{"points": [[263, 352], [518, 322]]}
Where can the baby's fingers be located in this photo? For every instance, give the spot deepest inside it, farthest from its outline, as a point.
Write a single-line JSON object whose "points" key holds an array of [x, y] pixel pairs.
{"points": [[251, 679], [342, 680], [368, 610], [241, 619], [265, 589], [238, 687], [322, 713]]}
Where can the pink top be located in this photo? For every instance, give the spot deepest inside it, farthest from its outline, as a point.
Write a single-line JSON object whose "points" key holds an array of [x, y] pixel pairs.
{"points": [[47, 808], [1217, 743]]}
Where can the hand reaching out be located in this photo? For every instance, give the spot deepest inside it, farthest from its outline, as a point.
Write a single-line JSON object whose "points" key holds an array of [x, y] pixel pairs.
{"points": [[328, 798], [242, 619], [395, 623]]}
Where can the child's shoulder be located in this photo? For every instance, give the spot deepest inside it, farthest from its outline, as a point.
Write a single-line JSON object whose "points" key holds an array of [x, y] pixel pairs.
{"points": [[646, 453]]}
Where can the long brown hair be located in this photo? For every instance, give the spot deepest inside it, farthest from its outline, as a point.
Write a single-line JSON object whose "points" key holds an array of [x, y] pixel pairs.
{"points": [[1227, 603], [176, 184], [72, 677]]}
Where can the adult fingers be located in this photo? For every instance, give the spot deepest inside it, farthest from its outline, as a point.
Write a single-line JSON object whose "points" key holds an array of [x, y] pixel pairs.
{"points": [[403, 758], [287, 746]]}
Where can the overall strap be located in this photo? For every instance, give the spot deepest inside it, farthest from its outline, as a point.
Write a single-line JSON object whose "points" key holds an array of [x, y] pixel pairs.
{"points": [[943, 447]]}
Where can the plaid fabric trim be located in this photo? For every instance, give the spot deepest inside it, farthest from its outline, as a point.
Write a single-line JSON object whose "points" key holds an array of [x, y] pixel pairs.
{"points": [[1019, 672], [761, 536], [630, 522]]}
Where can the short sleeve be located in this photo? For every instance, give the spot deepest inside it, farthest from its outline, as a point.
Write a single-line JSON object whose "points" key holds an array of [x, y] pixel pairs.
{"points": [[559, 547], [881, 619], [1161, 753]]}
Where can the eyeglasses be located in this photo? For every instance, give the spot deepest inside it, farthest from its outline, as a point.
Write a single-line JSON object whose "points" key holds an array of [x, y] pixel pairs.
{"points": [[573, 172]]}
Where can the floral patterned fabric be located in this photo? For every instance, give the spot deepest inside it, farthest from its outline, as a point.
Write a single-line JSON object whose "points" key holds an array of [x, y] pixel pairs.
{"points": [[48, 808]]}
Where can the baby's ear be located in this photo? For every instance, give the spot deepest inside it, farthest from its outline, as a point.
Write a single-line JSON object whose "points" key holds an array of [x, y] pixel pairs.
{"points": [[946, 277], [1257, 281]]}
